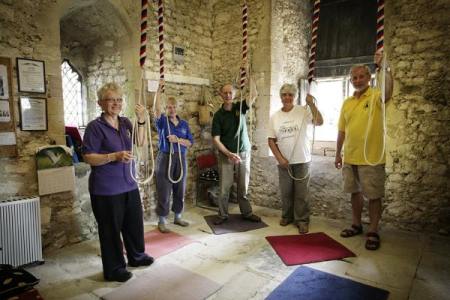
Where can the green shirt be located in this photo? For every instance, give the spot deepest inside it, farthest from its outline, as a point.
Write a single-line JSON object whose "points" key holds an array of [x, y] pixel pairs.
{"points": [[225, 124]]}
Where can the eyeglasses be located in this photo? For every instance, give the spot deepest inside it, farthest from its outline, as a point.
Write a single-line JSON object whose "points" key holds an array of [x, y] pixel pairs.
{"points": [[113, 100]]}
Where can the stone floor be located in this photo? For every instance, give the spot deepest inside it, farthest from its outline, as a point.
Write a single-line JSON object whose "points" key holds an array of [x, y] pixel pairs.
{"points": [[409, 265]]}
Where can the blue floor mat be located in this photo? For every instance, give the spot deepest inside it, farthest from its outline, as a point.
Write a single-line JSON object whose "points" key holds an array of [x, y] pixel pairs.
{"points": [[306, 283]]}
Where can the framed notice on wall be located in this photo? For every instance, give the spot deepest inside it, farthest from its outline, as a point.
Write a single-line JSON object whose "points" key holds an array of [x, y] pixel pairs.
{"points": [[8, 144], [31, 75], [5, 112], [4, 86], [33, 113]]}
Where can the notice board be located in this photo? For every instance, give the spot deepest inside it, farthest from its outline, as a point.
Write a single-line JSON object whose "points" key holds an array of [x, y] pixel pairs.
{"points": [[8, 141]]}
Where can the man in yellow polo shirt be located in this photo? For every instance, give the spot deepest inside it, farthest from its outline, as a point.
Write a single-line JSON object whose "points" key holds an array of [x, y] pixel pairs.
{"points": [[361, 133]]}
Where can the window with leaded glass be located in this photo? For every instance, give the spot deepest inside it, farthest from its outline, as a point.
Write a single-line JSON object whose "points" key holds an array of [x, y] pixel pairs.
{"points": [[74, 106]]}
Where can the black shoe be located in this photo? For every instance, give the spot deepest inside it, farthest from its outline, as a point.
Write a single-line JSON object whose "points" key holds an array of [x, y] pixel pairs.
{"points": [[252, 218], [146, 261], [220, 220], [119, 275]]}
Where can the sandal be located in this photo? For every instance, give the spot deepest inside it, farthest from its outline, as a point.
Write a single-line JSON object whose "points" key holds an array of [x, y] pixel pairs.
{"points": [[354, 230], [374, 243]]}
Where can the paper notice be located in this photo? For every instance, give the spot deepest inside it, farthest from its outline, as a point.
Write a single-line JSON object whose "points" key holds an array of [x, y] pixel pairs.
{"points": [[7, 138]]}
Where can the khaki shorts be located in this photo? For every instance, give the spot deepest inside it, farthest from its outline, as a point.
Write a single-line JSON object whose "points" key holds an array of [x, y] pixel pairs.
{"points": [[366, 179]]}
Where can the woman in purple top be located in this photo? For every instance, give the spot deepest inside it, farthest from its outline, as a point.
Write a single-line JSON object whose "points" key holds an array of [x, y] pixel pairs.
{"points": [[175, 131], [115, 198]]}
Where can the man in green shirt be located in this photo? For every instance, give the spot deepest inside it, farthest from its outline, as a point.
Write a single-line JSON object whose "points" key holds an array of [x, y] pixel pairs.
{"points": [[226, 122]]}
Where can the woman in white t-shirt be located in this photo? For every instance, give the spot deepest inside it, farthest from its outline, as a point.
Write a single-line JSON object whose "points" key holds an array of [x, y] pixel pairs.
{"points": [[290, 136]]}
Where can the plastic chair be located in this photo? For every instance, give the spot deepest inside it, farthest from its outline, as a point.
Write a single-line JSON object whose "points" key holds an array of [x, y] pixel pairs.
{"points": [[75, 139], [206, 175]]}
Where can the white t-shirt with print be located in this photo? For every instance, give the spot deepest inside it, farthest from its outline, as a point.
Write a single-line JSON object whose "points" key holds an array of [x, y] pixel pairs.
{"points": [[293, 133]]}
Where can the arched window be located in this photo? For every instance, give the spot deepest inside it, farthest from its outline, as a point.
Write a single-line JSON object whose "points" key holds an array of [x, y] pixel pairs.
{"points": [[74, 106]]}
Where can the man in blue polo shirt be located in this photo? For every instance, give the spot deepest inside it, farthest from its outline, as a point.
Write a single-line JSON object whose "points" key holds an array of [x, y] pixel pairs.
{"points": [[225, 137]]}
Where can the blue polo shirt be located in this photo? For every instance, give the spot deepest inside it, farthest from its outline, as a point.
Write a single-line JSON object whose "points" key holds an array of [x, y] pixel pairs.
{"points": [[100, 137], [182, 130]]}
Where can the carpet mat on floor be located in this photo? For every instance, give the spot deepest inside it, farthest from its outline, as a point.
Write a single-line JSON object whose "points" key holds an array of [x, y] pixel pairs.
{"points": [[235, 223], [165, 281], [311, 284], [158, 244], [307, 248]]}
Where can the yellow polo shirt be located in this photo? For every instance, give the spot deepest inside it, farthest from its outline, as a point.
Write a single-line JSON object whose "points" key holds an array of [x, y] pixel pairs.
{"points": [[354, 120]]}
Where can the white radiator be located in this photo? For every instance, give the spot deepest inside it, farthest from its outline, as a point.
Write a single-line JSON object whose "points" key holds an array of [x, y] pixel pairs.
{"points": [[20, 231]]}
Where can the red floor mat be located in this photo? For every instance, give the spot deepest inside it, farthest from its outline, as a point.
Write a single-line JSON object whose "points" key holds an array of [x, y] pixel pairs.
{"points": [[158, 244], [307, 248], [32, 294]]}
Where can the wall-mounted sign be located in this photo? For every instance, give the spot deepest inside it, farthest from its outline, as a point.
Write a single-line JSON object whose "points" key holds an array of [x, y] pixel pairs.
{"points": [[4, 90], [178, 54], [8, 144], [5, 113], [7, 138], [33, 113], [31, 75]]}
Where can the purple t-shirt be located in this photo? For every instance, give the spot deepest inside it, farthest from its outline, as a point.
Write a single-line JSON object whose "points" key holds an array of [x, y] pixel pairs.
{"points": [[100, 137]]}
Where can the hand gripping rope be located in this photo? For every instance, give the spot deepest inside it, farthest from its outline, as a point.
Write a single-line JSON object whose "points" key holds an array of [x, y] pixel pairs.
{"points": [[382, 84], [311, 71], [162, 87], [143, 172]]}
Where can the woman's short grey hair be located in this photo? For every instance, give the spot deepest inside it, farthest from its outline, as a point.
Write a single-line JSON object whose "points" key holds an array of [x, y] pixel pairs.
{"points": [[172, 101], [365, 67], [288, 88], [107, 87]]}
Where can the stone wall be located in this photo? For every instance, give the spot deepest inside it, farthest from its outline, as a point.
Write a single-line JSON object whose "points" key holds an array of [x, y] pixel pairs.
{"points": [[29, 30], [26, 33], [417, 197], [288, 47], [187, 24], [99, 39], [101, 69], [101, 54], [418, 143], [290, 39], [67, 217], [210, 32], [111, 56]]}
